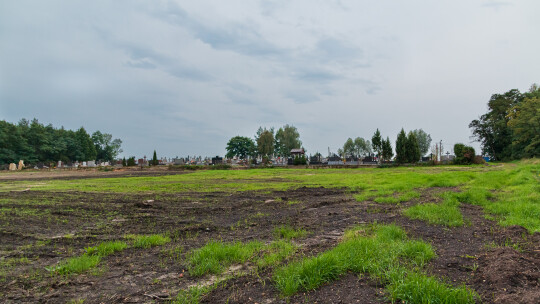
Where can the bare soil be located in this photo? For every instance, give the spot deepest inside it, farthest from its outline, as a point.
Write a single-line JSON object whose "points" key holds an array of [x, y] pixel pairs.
{"points": [[501, 264]]}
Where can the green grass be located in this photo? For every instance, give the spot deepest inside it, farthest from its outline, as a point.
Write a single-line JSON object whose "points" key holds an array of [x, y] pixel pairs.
{"points": [[76, 265], [446, 213], [289, 233], [379, 251], [510, 192], [275, 253], [93, 255], [417, 287], [215, 257], [192, 295], [147, 241], [106, 248]]}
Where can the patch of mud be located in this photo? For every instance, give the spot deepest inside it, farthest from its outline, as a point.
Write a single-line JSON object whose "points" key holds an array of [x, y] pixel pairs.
{"points": [[505, 275]]}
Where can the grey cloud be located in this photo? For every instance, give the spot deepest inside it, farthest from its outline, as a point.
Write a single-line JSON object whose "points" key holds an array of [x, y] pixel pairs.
{"points": [[238, 37]]}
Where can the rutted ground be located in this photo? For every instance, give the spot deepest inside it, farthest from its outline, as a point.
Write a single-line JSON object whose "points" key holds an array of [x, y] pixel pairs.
{"points": [[39, 229]]}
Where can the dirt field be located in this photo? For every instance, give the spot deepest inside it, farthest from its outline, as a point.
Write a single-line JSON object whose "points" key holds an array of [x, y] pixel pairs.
{"points": [[501, 264]]}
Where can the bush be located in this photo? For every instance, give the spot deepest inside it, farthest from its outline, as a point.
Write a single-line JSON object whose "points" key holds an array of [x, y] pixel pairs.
{"points": [[465, 155], [300, 160]]}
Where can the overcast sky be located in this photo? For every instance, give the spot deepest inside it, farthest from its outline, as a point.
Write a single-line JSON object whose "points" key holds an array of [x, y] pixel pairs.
{"points": [[183, 77]]}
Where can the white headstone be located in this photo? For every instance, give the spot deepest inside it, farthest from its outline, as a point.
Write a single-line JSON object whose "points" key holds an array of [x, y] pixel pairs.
{"points": [[59, 164], [12, 167], [21, 164], [91, 163]]}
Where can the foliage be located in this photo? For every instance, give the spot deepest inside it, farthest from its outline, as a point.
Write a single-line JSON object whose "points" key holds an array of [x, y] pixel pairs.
{"points": [[464, 154], [362, 147], [265, 142], [131, 161], [106, 148], [154, 161], [349, 148], [377, 142], [124, 162], [401, 148], [240, 146], [413, 151], [286, 139], [34, 142], [299, 160], [524, 120], [424, 141], [387, 152], [510, 128]]}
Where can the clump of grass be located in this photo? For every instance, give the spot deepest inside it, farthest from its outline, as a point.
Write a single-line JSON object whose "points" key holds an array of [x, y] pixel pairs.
{"points": [[106, 248], [447, 213], [275, 253], [147, 241], [89, 260], [417, 287], [192, 295], [289, 233], [436, 214], [76, 265], [215, 256], [378, 254]]}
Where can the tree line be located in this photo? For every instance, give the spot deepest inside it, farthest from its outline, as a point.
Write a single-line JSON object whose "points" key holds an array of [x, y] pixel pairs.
{"points": [[35, 142], [409, 148], [266, 143], [511, 127]]}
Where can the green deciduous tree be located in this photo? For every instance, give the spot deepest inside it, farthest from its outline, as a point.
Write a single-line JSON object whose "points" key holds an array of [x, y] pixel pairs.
{"points": [[349, 148], [413, 151], [241, 147], [362, 147], [424, 141], [286, 139], [492, 129], [106, 148], [265, 143], [524, 119]]}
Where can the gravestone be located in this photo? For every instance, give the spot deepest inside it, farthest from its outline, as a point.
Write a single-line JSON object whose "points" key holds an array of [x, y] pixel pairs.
{"points": [[59, 165], [91, 163], [12, 167], [21, 164]]}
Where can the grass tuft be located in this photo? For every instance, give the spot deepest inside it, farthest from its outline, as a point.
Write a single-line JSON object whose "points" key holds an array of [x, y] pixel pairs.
{"points": [[289, 233], [76, 265], [106, 248], [215, 256], [147, 241]]}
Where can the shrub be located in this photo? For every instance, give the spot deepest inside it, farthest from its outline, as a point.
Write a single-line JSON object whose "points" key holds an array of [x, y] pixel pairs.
{"points": [[464, 154]]}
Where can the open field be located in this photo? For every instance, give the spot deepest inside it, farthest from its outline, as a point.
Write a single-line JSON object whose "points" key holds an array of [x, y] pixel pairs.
{"points": [[409, 235]]}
